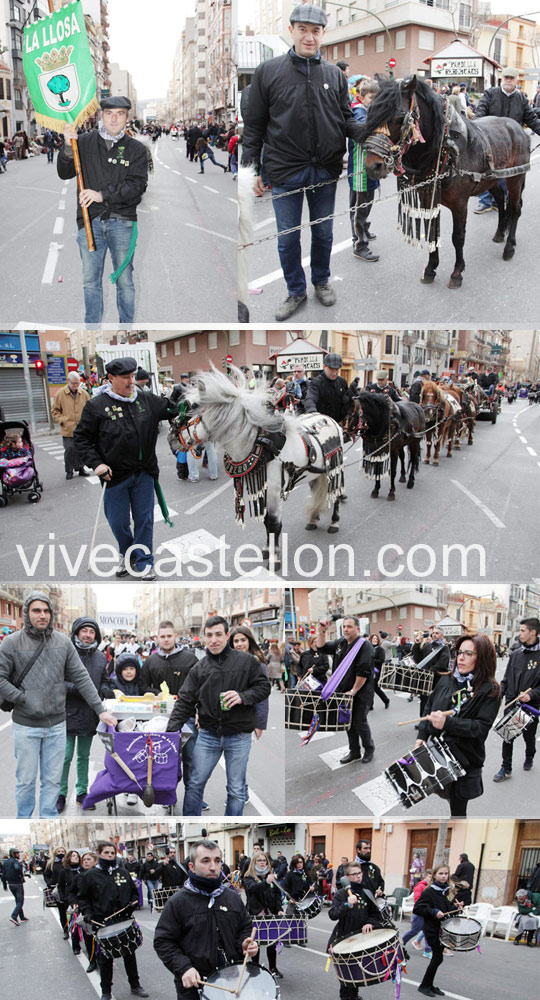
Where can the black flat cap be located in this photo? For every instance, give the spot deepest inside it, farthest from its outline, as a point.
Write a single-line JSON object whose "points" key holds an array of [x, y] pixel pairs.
{"points": [[121, 366], [112, 103], [141, 375]]}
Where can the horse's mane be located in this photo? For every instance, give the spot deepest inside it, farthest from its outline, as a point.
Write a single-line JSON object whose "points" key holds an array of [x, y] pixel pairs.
{"points": [[386, 104], [375, 406], [231, 407], [432, 387]]}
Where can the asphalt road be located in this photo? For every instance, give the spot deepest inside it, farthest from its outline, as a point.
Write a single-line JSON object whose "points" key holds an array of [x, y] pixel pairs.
{"points": [[483, 499], [494, 292], [265, 775], [317, 784], [37, 961], [186, 245]]}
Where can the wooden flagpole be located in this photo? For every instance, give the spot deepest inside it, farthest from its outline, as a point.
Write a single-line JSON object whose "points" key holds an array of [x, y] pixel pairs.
{"points": [[80, 182]]}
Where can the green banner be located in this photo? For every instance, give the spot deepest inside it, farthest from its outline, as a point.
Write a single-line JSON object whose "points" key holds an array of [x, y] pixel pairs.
{"points": [[58, 68]]}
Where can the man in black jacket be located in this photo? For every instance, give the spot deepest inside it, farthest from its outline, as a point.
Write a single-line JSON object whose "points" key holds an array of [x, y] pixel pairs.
{"points": [[13, 878], [505, 101], [357, 681], [173, 875], [224, 688], [522, 672], [328, 392], [116, 437], [299, 110], [205, 925], [81, 720], [372, 875], [383, 386], [108, 896], [439, 665], [115, 172], [464, 873]]}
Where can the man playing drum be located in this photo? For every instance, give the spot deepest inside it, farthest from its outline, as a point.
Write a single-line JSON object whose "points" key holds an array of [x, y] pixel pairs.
{"points": [[354, 911], [521, 682], [107, 897], [205, 925]]}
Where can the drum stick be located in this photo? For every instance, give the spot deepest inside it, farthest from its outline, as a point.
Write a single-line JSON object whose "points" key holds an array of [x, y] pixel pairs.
{"points": [[246, 956], [516, 699], [422, 718], [214, 986]]}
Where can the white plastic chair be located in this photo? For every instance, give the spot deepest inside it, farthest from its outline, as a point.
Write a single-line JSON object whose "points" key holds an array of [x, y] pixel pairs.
{"points": [[407, 905], [481, 912], [501, 921]]}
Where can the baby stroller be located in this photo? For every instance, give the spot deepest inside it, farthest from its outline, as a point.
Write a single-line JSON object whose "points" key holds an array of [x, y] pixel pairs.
{"points": [[18, 475]]}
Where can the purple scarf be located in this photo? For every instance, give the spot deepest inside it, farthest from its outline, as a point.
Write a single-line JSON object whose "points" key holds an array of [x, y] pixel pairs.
{"points": [[339, 674]]}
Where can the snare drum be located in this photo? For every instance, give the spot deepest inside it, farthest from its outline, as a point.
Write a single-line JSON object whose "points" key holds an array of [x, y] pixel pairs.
{"points": [[425, 770], [119, 939], [334, 712], [461, 933], [289, 930], [160, 896], [257, 983], [406, 676], [512, 724], [367, 959], [309, 907]]}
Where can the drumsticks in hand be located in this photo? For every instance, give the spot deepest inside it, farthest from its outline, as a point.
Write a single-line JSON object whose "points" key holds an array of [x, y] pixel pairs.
{"points": [[516, 699], [423, 718], [246, 956]]}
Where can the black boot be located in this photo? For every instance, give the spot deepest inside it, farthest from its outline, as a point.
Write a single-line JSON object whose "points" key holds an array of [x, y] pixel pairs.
{"points": [[517, 939]]}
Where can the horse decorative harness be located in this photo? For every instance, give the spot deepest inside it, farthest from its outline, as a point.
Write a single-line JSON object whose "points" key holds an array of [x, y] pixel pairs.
{"points": [[324, 451], [249, 475]]}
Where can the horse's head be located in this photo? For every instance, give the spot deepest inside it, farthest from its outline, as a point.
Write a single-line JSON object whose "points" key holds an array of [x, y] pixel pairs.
{"points": [[393, 125], [192, 432], [431, 397]]}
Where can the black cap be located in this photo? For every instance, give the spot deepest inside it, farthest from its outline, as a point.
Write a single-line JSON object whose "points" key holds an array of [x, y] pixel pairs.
{"points": [[114, 103], [141, 374], [121, 366], [425, 371]]}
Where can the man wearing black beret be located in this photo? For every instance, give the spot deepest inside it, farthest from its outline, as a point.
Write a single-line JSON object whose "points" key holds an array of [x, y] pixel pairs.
{"points": [[117, 439], [115, 175]]}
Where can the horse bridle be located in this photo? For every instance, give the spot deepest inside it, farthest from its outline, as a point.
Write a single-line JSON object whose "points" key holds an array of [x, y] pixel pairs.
{"points": [[190, 426], [380, 144]]}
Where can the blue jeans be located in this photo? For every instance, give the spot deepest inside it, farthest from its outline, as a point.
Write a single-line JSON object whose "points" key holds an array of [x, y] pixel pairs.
{"points": [[210, 154], [42, 748], [18, 893], [486, 198], [136, 495], [151, 884], [112, 235], [417, 926], [288, 212], [194, 464], [208, 750]]}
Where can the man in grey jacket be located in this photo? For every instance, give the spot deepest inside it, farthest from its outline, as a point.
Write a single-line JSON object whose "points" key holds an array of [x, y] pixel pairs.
{"points": [[39, 702]]}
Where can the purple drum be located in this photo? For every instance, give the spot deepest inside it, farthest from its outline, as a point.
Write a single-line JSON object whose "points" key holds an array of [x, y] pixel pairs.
{"points": [[367, 959], [271, 930]]}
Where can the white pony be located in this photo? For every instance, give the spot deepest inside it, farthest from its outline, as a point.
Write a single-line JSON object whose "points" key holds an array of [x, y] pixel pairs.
{"points": [[266, 453]]}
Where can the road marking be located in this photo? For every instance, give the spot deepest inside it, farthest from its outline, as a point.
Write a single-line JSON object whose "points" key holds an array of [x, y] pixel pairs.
{"points": [[166, 165], [183, 546], [210, 232], [26, 187], [208, 499], [521, 438], [265, 222], [254, 799], [50, 263], [58, 225], [489, 513], [177, 172], [5, 725], [61, 204], [64, 189], [234, 200], [213, 190], [191, 180], [267, 279], [531, 451]]}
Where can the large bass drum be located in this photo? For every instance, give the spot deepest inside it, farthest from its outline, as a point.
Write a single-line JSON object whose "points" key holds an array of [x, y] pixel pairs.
{"points": [[257, 983], [289, 930], [367, 959]]}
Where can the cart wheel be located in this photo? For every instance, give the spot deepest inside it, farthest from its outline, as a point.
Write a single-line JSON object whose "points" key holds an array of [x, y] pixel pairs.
{"points": [[3, 501], [494, 416], [34, 497]]}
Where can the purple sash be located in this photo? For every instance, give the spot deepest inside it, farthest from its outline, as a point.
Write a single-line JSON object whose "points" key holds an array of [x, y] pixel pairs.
{"points": [[339, 674]]}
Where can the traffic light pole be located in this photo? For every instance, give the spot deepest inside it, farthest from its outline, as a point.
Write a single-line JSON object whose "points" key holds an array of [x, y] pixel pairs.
{"points": [[26, 370]]}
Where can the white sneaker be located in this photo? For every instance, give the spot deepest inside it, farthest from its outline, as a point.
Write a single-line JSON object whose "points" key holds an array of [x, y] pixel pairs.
{"points": [[148, 573]]}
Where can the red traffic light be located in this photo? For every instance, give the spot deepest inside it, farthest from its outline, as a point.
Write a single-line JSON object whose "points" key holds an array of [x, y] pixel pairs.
{"points": [[392, 63], [228, 359], [40, 366]]}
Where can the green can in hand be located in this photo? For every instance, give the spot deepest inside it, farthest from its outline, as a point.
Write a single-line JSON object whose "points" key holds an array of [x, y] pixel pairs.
{"points": [[223, 706]]}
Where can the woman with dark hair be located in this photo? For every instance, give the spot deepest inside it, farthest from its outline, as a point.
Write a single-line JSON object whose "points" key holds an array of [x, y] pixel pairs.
{"points": [[376, 663], [297, 882], [473, 695], [67, 890], [241, 638], [88, 860], [263, 897]]}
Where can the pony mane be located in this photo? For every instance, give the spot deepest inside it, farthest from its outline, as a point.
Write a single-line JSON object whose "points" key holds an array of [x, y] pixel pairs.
{"points": [[374, 404], [386, 105], [432, 387], [231, 407]]}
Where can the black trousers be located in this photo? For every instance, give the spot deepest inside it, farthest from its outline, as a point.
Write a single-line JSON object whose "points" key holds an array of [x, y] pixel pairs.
{"points": [[359, 216], [359, 730], [434, 942], [71, 459], [458, 804], [380, 693], [106, 971], [348, 991], [529, 735]]}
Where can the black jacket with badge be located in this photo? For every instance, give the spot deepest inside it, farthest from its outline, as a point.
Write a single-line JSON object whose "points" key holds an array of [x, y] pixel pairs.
{"points": [[328, 396], [231, 670], [465, 733], [103, 893], [172, 875], [351, 919], [123, 435], [120, 174], [516, 105], [299, 109], [522, 672], [81, 720], [361, 666], [187, 932], [172, 668], [371, 875]]}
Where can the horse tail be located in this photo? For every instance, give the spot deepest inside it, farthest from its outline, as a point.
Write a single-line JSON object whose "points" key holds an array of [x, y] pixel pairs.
{"points": [[318, 497]]}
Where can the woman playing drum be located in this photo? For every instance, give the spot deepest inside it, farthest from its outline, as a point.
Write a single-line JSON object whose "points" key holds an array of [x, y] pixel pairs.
{"points": [[473, 694], [263, 898], [434, 902]]}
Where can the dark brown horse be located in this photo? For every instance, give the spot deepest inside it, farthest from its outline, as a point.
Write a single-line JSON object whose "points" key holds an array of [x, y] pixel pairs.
{"points": [[468, 414], [416, 133], [387, 428], [440, 421]]}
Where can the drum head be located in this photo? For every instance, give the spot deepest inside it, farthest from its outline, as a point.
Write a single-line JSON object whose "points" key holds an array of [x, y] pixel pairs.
{"points": [[114, 930], [357, 943], [257, 983], [462, 925]]}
